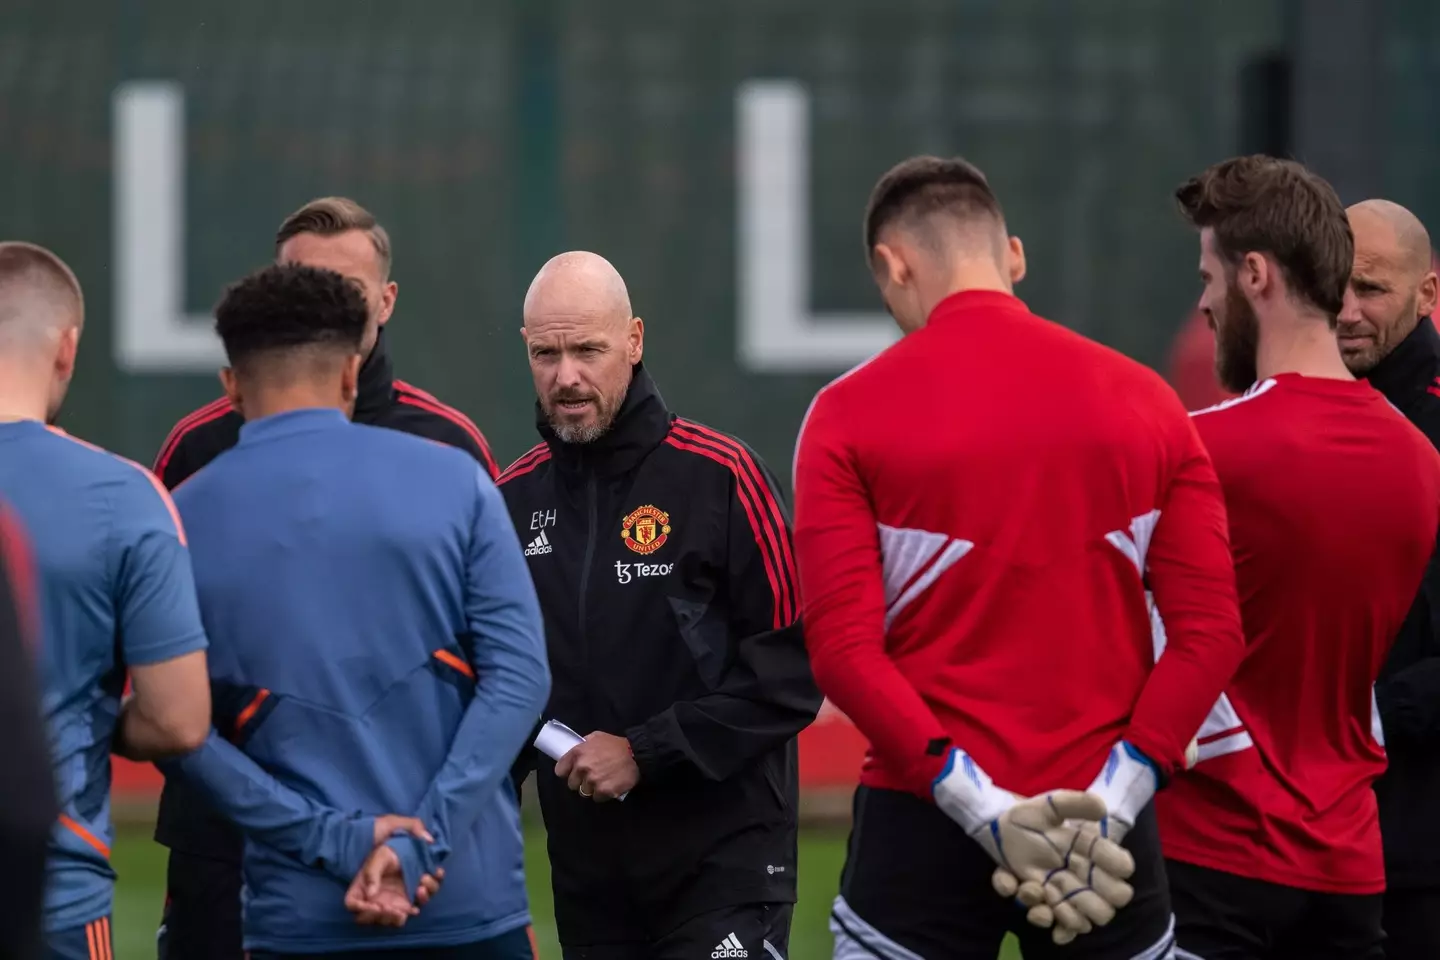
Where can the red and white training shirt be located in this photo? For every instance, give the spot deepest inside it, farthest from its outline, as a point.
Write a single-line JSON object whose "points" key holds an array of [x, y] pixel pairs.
{"points": [[1334, 503], [981, 515]]}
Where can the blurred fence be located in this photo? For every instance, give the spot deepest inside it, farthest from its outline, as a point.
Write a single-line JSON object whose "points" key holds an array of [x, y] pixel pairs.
{"points": [[718, 152], [489, 136]]}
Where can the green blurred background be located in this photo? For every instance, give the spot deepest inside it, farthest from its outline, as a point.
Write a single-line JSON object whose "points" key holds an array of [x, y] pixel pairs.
{"points": [[489, 136]]}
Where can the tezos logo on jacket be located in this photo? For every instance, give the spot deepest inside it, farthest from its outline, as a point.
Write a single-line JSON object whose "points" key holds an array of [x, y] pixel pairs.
{"points": [[646, 529]]}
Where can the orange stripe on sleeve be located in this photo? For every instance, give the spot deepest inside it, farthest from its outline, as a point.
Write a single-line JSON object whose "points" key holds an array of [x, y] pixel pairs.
{"points": [[76, 828], [91, 935], [455, 663], [250, 710], [107, 942]]}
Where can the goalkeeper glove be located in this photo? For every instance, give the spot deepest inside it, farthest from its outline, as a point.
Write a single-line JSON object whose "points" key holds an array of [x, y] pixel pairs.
{"points": [[1034, 840], [1074, 900], [1126, 783]]}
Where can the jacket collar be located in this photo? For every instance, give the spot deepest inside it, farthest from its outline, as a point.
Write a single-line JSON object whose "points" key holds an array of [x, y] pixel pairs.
{"points": [[377, 382], [640, 426], [1412, 366], [304, 420]]}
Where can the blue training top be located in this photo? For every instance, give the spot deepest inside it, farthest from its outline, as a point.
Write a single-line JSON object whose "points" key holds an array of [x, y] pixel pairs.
{"points": [[115, 592], [376, 648]]}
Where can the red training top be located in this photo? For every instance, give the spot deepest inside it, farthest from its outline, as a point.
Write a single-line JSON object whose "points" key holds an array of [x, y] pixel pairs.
{"points": [[974, 508], [1334, 503]]}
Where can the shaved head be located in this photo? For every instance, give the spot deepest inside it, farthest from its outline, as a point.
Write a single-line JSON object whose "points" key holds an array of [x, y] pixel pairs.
{"points": [[39, 294], [934, 227], [1391, 285], [41, 313], [577, 284], [583, 342], [1409, 241]]}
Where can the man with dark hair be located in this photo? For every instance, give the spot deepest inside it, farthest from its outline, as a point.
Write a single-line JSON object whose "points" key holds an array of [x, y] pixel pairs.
{"points": [[377, 646], [27, 804], [1387, 336], [984, 552], [116, 595], [1272, 841], [202, 904], [661, 553]]}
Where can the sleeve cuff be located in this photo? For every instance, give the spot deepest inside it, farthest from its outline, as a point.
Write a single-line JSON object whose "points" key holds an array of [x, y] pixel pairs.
{"points": [[648, 755], [355, 846], [414, 861]]}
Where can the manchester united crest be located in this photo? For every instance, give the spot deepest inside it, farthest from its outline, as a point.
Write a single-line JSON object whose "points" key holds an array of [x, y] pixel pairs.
{"points": [[646, 529]]}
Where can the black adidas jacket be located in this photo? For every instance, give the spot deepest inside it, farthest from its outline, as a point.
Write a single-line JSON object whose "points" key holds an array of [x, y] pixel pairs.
{"points": [[661, 554], [1408, 692], [184, 822]]}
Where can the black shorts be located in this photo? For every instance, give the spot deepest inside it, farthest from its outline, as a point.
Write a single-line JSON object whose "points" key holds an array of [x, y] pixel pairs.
{"points": [[515, 945], [202, 910], [757, 931], [915, 886], [1412, 923], [1223, 916]]}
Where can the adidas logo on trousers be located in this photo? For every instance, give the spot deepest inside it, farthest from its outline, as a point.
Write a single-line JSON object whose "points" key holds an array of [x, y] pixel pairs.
{"points": [[729, 947], [539, 545]]}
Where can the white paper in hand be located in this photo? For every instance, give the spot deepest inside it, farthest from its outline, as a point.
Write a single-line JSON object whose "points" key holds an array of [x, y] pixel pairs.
{"points": [[555, 740]]}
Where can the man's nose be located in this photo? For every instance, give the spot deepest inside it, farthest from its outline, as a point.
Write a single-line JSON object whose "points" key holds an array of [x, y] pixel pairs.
{"points": [[1350, 308], [567, 372]]}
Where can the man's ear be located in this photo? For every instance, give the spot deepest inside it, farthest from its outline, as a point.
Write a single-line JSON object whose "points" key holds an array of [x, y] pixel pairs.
{"points": [[69, 352], [1428, 295], [1016, 258], [390, 292], [1254, 275], [636, 340], [350, 378], [231, 385], [889, 266]]}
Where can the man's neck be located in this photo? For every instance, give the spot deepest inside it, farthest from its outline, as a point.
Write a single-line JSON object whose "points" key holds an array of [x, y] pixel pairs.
{"points": [[259, 404], [968, 275], [1300, 344], [21, 399]]}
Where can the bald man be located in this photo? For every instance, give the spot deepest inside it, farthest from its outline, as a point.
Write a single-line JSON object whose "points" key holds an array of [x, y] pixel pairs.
{"points": [[116, 594], [1386, 335], [661, 552]]}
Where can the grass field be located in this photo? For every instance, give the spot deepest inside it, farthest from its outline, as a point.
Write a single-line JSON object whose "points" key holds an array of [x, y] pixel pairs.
{"points": [[141, 890]]}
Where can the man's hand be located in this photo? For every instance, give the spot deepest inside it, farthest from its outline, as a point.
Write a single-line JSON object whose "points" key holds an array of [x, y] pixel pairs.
{"points": [[392, 823], [601, 767], [377, 895]]}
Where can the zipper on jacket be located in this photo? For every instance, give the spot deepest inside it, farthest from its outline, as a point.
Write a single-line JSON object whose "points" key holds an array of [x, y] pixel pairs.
{"points": [[592, 519]]}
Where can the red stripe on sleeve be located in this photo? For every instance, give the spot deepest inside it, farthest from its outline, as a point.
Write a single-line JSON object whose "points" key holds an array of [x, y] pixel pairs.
{"points": [[211, 411], [780, 585], [535, 456], [419, 398], [765, 500]]}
